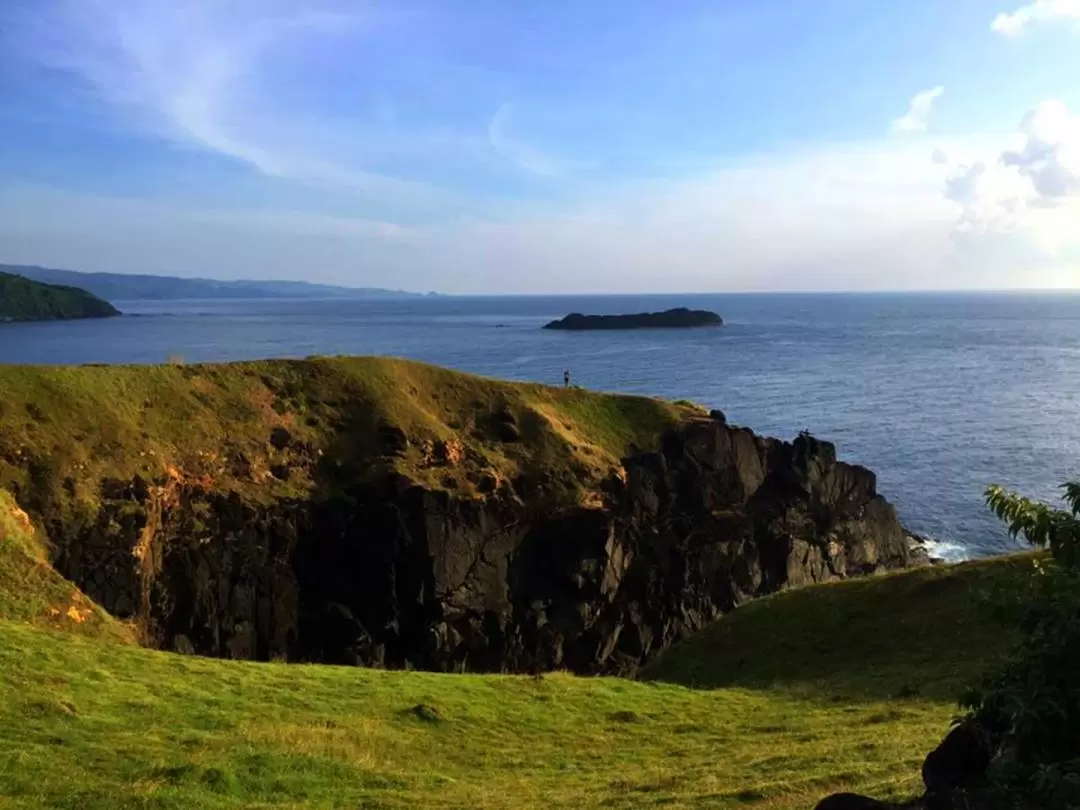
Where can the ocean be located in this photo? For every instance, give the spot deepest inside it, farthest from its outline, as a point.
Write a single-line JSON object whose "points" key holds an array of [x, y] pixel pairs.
{"points": [[940, 395]]}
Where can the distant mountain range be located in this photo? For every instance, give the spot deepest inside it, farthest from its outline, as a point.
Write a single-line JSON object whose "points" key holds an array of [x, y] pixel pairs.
{"points": [[123, 287]]}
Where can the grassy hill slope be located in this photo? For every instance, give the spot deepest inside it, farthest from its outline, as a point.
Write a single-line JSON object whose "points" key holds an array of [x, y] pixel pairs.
{"points": [[24, 300], [218, 423], [32, 592], [920, 632], [835, 687]]}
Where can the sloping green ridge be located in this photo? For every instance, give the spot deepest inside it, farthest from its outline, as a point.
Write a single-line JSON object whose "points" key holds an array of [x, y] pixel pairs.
{"points": [[62, 430], [920, 632], [24, 300], [88, 723], [31, 591]]}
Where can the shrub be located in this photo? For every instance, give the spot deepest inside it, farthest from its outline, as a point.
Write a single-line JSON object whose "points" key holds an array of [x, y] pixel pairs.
{"points": [[1033, 701]]}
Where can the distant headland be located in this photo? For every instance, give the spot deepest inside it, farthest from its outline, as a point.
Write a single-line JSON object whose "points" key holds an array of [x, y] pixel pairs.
{"points": [[680, 318], [24, 300]]}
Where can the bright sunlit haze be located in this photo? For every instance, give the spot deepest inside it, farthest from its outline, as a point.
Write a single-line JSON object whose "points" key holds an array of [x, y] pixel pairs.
{"points": [[546, 147]]}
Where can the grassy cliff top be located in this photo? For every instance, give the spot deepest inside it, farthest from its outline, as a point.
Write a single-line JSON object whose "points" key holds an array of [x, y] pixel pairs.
{"points": [[836, 687], [24, 300], [296, 426]]}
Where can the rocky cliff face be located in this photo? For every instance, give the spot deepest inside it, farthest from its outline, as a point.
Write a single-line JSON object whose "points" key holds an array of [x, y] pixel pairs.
{"points": [[391, 573]]}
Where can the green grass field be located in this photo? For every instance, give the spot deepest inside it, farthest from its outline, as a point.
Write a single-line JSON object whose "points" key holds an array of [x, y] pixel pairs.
{"points": [[837, 687]]}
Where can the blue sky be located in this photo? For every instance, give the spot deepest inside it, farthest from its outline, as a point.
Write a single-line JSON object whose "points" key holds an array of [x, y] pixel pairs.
{"points": [[546, 146]]}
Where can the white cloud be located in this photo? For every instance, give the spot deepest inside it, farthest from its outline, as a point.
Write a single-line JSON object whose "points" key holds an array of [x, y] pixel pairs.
{"points": [[918, 114], [1014, 23], [1024, 199], [1051, 154], [940, 157]]}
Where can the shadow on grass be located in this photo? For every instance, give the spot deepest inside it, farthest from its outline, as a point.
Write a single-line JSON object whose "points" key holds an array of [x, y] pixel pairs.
{"points": [[918, 634]]}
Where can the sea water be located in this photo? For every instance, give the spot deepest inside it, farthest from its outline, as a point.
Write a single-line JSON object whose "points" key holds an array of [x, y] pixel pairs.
{"points": [[940, 395]]}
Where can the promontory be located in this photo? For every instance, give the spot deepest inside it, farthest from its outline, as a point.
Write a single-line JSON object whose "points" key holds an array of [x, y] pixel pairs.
{"points": [[24, 300], [680, 318], [387, 513]]}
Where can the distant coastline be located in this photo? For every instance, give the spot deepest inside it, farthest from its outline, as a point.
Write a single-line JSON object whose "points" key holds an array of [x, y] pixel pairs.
{"points": [[124, 287]]}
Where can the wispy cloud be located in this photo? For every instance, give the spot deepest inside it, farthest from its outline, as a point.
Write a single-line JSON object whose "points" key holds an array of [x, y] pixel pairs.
{"points": [[184, 70], [526, 156], [918, 114], [1014, 23], [211, 75]]}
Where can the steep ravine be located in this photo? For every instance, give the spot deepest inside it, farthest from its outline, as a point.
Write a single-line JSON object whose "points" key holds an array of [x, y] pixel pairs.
{"points": [[387, 569], [422, 578]]}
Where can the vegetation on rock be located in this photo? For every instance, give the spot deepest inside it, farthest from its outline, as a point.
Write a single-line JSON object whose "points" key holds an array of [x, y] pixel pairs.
{"points": [[25, 300]]}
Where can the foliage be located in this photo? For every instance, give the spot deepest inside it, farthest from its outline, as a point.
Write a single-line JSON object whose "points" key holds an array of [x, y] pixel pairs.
{"points": [[25, 300], [92, 724], [1042, 525], [1034, 699]]}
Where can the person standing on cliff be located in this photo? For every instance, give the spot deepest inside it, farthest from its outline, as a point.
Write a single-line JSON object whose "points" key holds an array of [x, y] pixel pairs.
{"points": [[566, 378]]}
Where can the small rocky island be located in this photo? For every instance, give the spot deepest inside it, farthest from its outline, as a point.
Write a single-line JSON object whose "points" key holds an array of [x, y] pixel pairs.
{"points": [[680, 318], [24, 300]]}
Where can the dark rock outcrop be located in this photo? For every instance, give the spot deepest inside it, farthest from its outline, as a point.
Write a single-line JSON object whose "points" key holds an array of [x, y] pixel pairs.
{"points": [[956, 775], [960, 762], [393, 574], [680, 318]]}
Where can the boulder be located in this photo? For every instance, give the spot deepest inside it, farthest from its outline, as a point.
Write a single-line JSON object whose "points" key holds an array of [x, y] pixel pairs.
{"points": [[960, 762], [955, 775]]}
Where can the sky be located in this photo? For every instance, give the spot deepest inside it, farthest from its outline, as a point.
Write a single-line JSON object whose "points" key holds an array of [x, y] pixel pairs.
{"points": [[546, 146]]}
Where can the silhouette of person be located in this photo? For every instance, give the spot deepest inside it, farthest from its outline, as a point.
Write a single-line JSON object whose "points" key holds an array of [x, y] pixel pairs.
{"points": [[566, 378]]}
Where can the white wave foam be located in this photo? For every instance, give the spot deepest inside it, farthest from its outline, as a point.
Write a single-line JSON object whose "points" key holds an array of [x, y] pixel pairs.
{"points": [[946, 550]]}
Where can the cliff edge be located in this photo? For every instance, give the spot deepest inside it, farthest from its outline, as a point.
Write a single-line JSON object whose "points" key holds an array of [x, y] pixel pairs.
{"points": [[382, 512]]}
